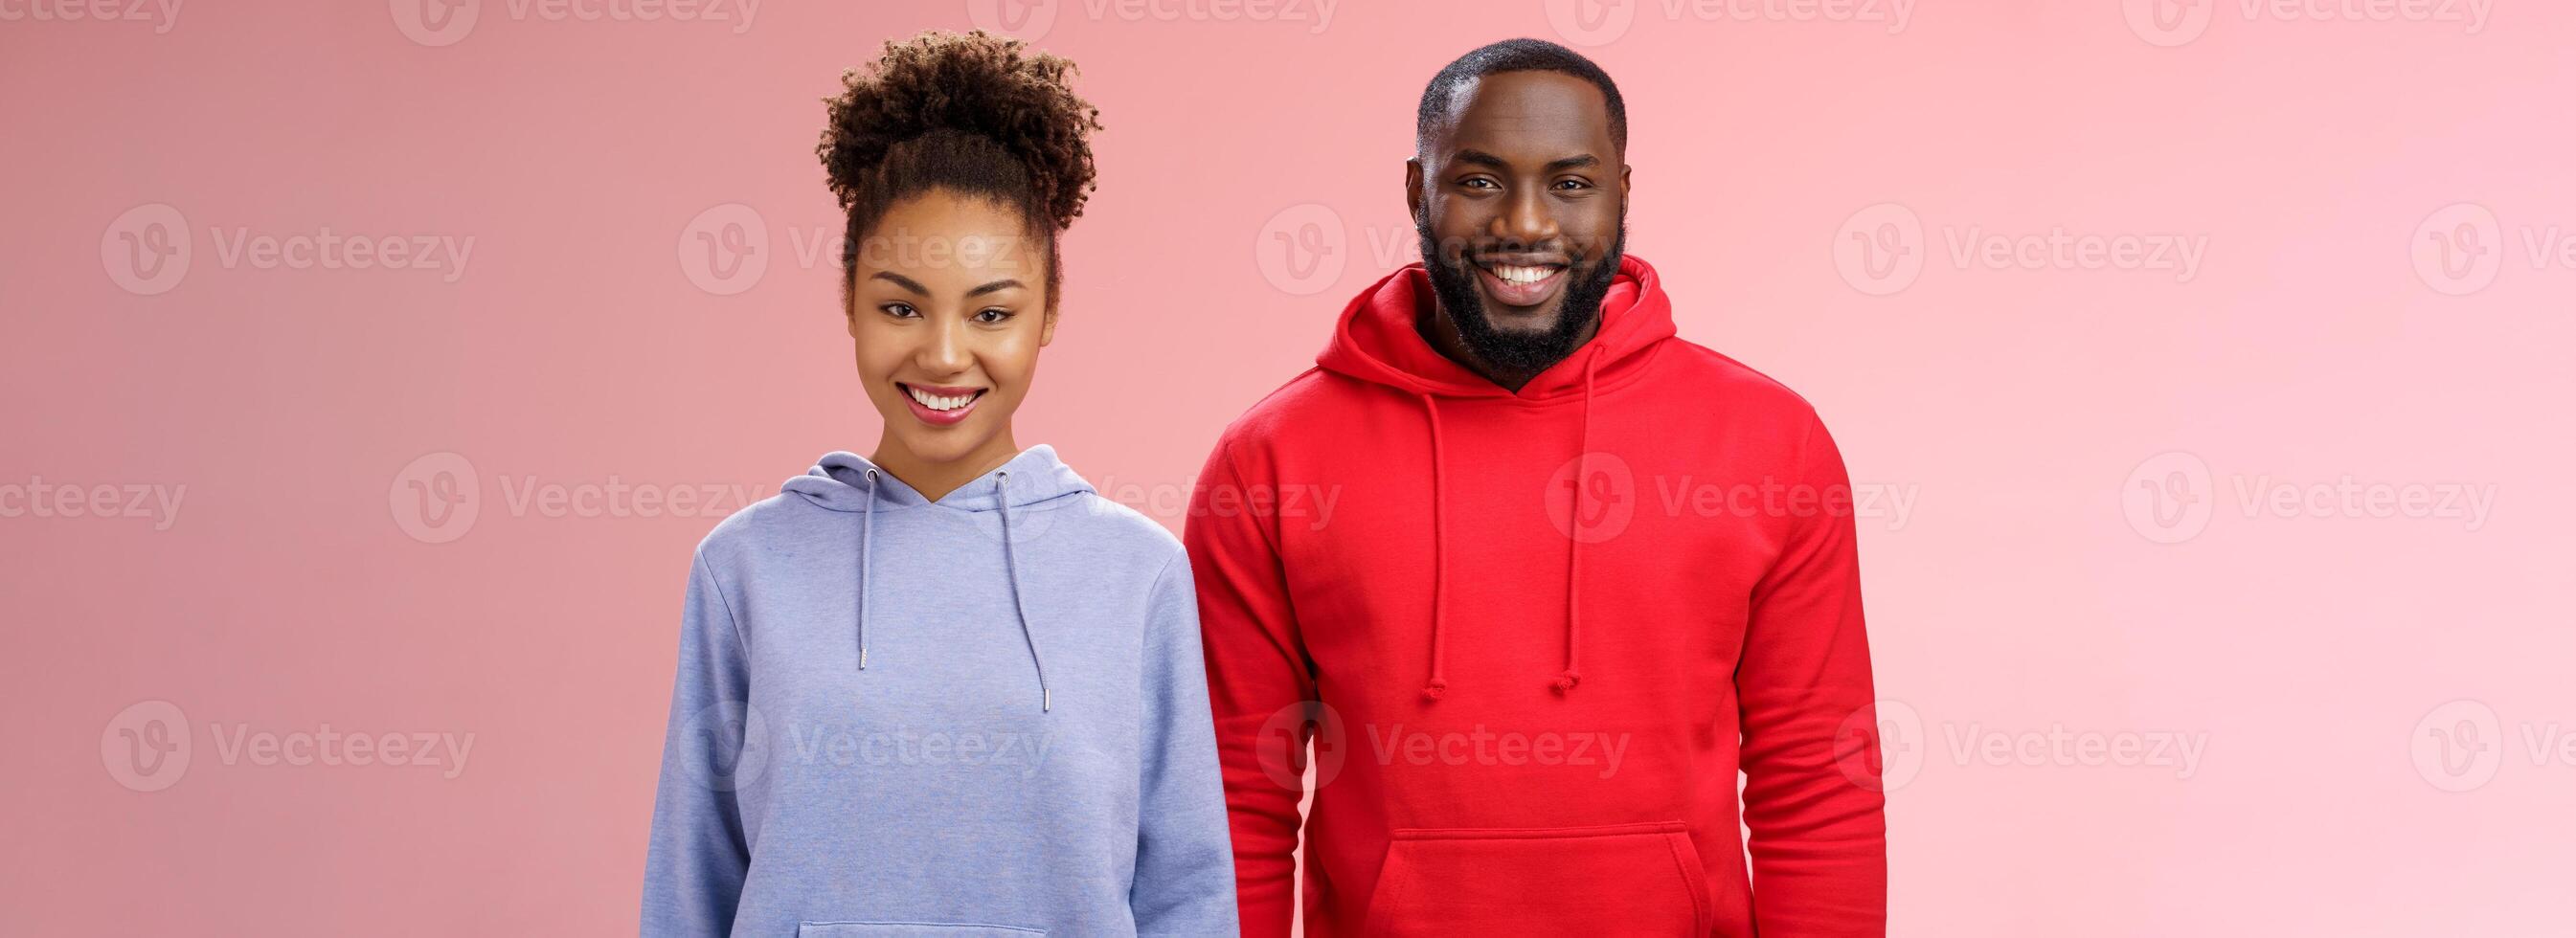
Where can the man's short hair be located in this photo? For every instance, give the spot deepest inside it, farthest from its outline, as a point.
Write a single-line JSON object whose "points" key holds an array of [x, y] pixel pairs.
{"points": [[1514, 55]]}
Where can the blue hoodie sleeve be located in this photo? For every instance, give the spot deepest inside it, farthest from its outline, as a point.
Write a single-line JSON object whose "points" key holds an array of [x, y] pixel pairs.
{"points": [[694, 871], [1184, 860]]}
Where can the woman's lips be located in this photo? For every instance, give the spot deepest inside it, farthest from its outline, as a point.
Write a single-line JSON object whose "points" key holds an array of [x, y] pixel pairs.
{"points": [[943, 407], [1520, 292]]}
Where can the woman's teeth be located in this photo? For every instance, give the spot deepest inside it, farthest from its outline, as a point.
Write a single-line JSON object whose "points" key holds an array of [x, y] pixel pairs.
{"points": [[1513, 274], [938, 401]]}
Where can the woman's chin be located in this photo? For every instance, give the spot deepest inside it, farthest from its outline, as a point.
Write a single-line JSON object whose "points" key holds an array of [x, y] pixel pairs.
{"points": [[937, 445]]}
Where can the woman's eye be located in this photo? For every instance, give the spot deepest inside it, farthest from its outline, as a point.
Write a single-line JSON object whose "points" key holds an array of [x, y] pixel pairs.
{"points": [[991, 316], [901, 310]]}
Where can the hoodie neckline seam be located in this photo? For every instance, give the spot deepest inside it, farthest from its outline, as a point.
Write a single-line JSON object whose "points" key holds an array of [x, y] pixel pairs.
{"points": [[1629, 376], [1049, 503]]}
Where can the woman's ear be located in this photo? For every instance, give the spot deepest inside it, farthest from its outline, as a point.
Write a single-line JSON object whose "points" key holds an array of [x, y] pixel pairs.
{"points": [[1053, 253], [850, 304]]}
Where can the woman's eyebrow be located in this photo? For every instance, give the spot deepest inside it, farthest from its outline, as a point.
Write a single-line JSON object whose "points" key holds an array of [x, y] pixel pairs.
{"points": [[902, 281]]}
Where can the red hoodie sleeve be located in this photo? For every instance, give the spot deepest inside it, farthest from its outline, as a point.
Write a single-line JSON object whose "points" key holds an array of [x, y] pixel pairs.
{"points": [[1819, 837], [1256, 667]]}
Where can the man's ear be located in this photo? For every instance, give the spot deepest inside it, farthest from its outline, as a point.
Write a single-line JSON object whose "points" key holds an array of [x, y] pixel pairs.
{"points": [[1413, 188], [1623, 189]]}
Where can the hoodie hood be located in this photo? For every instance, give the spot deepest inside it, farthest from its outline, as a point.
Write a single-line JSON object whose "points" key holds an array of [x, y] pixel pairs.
{"points": [[840, 481], [1376, 342], [845, 481]]}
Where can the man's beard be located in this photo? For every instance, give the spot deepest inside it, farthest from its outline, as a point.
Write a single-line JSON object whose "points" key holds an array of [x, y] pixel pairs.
{"points": [[1526, 352]]}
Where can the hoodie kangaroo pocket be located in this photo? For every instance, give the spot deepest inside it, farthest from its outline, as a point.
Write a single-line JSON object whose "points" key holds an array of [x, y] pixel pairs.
{"points": [[911, 930], [1623, 879]]}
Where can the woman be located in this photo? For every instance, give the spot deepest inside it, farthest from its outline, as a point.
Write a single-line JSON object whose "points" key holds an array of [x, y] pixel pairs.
{"points": [[945, 689]]}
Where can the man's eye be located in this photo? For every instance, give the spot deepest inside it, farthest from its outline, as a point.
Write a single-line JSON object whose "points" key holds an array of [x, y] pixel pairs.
{"points": [[1479, 183], [1572, 184], [901, 310]]}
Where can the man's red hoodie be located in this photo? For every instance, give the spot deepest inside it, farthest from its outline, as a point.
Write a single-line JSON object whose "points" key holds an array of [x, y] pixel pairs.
{"points": [[1535, 636]]}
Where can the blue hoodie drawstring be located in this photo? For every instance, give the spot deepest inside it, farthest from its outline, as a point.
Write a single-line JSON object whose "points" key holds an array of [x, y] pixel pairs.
{"points": [[823, 485], [1011, 569], [867, 536]]}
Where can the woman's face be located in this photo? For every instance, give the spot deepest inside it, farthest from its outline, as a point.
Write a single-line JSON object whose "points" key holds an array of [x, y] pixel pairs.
{"points": [[948, 311]]}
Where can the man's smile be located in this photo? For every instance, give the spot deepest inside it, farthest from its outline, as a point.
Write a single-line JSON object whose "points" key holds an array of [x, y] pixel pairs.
{"points": [[1520, 281]]}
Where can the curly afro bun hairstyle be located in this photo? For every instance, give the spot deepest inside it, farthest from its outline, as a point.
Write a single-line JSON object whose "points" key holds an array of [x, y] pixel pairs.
{"points": [[974, 114]]}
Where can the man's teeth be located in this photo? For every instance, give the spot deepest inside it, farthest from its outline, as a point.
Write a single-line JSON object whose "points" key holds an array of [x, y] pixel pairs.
{"points": [[938, 401], [1514, 274]]}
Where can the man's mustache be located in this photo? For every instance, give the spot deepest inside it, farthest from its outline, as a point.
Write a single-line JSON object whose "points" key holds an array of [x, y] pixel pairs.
{"points": [[1456, 251]]}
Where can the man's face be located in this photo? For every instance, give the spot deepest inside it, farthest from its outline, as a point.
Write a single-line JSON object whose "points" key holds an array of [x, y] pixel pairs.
{"points": [[1520, 199]]}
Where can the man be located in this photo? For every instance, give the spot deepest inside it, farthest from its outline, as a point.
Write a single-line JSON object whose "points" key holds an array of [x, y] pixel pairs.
{"points": [[1580, 573]]}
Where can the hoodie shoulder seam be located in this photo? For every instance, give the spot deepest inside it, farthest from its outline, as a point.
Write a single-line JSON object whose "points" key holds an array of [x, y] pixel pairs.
{"points": [[1756, 373], [1300, 378], [1225, 451], [741, 645]]}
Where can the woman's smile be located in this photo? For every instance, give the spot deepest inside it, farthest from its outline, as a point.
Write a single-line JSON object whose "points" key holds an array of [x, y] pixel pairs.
{"points": [[940, 405]]}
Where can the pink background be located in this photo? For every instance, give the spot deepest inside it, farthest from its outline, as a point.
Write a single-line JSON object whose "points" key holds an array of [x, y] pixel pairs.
{"points": [[2327, 666]]}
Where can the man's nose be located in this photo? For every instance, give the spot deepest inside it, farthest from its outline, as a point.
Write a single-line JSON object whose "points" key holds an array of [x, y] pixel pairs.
{"points": [[1527, 218]]}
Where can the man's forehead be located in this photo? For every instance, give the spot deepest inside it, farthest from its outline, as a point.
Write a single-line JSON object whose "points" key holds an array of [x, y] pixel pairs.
{"points": [[1513, 110]]}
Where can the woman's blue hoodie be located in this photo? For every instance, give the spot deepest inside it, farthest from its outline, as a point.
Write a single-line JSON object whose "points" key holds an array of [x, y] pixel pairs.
{"points": [[983, 715]]}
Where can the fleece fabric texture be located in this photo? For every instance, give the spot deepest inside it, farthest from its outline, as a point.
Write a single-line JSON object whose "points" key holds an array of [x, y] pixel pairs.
{"points": [[983, 715], [1543, 632]]}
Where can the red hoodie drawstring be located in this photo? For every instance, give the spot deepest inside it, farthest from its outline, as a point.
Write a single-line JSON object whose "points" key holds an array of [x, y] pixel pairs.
{"points": [[1573, 674], [1574, 527], [1376, 342], [1439, 556]]}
